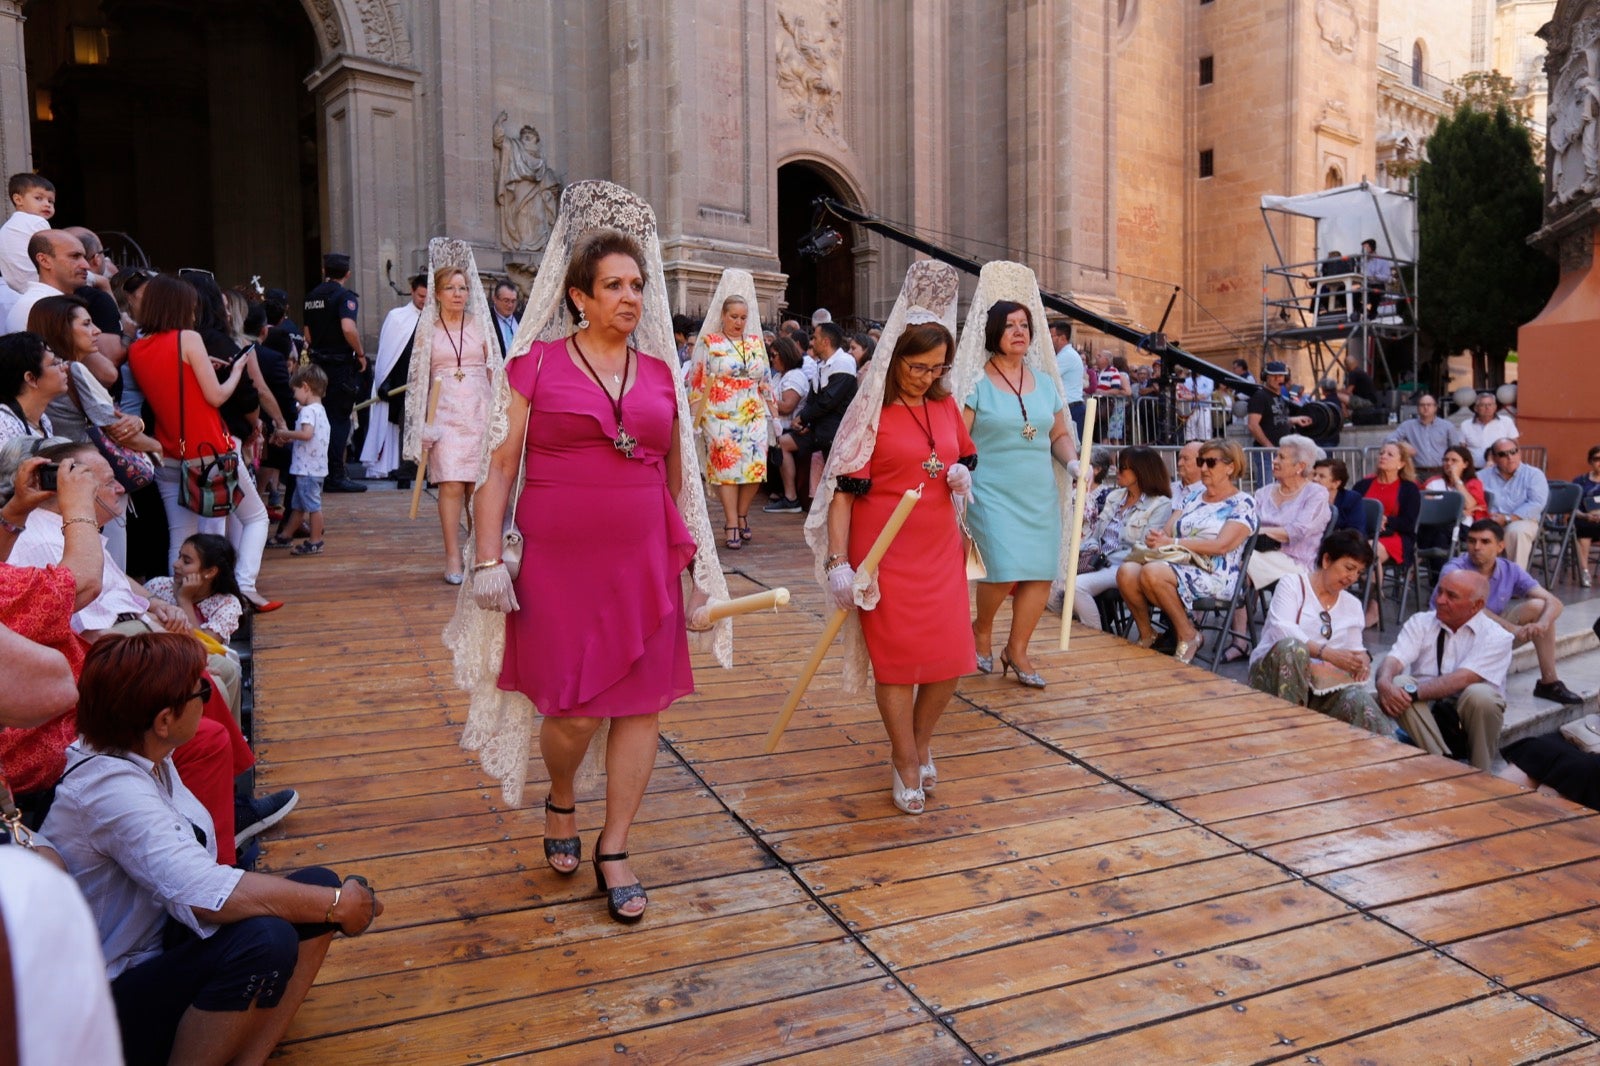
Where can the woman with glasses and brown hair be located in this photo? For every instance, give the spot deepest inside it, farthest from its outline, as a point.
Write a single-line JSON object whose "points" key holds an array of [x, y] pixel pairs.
{"points": [[31, 376], [1310, 651], [1211, 530], [207, 963]]}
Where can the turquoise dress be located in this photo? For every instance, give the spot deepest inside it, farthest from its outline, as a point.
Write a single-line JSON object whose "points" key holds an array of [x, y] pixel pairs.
{"points": [[1016, 516]]}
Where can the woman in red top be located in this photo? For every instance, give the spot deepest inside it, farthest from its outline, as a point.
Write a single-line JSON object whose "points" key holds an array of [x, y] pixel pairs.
{"points": [[1394, 486], [167, 311], [917, 633]]}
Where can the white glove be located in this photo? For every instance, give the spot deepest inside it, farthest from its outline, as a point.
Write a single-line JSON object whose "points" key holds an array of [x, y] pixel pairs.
{"points": [[1072, 468], [492, 591], [432, 434], [959, 479], [842, 586]]}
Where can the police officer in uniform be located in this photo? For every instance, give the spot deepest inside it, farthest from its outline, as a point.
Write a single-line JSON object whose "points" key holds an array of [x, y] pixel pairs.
{"points": [[335, 344]]}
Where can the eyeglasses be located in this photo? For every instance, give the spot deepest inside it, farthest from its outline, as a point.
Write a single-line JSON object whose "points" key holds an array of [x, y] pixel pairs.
{"points": [[204, 695], [1209, 461], [923, 370], [1327, 624], [1505, 454]]}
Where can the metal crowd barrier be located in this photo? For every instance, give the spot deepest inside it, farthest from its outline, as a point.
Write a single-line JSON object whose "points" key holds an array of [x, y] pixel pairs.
{"points": [[1138, 420]]}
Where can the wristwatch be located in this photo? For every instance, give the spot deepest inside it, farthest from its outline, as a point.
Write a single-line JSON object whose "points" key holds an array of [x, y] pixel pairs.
{"points": [[1410, 689]]}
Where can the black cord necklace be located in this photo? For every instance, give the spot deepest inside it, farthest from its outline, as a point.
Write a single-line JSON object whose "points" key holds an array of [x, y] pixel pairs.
{"points": [[1028, 429], [622, 442], [457, 345], [932, 465]]}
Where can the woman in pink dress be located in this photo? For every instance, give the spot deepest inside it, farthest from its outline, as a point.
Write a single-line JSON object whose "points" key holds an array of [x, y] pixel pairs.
{"points": [[459, 365], [596, 630]]}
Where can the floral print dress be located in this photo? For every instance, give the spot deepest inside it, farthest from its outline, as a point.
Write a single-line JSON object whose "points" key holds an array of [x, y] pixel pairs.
{"points": [[1204, 521], [729, 388]]}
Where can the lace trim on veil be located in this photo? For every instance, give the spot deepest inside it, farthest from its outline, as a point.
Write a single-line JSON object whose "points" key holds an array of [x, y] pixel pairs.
{"points": [[442, 252], [1003, 280], [928, 294], [500, 724]]}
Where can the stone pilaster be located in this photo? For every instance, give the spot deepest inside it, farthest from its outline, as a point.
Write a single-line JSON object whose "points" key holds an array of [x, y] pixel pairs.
{"points": [[16, 106], [369, 163]]}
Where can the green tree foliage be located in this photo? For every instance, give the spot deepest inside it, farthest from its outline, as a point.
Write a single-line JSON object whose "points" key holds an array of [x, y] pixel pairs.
{"points": [[1479, 196]]}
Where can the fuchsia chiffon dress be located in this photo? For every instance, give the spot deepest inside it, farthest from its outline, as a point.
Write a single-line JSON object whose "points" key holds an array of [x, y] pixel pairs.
{"points": [[600, 630]]}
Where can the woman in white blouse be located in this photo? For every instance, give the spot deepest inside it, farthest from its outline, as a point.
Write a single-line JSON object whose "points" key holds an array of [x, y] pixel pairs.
{"points": [[207, 963], [1310, 650]]}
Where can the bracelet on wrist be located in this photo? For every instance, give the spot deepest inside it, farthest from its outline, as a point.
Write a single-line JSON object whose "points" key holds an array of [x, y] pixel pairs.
{"points": [[9, 526], [327, 919], [65, 522]]}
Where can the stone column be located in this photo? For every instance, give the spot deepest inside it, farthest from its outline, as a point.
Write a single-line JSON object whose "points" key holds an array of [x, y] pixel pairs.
{"points": [[369, 168], [466, 116], [16, 106]]}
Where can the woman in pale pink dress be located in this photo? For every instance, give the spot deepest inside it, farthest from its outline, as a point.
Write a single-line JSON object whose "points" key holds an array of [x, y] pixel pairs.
{"points": [[460, 364]]}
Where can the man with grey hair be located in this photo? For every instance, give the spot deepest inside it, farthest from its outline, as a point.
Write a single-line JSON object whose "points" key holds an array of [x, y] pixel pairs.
{"points": [[1188, 479], [1427, 435], [1444, 680], [112, 342]]}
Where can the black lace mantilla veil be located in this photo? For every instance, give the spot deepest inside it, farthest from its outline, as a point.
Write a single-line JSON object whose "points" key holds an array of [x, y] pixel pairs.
{"points": [[500, 724], [928, 295]]}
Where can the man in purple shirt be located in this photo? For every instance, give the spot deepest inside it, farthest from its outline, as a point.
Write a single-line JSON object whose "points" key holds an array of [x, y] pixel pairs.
{"points": [[1523, 607]]}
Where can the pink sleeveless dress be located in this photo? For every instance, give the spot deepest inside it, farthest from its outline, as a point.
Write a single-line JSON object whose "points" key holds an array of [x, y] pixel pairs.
{"points": [[600, 632]]}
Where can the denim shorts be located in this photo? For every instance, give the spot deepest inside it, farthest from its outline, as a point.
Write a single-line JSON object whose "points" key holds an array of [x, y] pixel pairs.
{"points": [[307, 494]]}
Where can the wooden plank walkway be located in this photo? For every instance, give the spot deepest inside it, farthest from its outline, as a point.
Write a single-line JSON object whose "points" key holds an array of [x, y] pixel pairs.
{"points": [[1143, 863]]}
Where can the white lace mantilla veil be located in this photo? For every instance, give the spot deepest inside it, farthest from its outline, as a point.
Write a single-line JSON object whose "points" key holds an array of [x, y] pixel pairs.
{"points": [[928, 294], [1003, 280], [442, 252], [500, 724], [734, 282]]}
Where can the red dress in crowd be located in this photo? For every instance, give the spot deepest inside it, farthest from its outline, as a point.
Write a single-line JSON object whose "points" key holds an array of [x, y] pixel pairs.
{"points": [[920, 630]]}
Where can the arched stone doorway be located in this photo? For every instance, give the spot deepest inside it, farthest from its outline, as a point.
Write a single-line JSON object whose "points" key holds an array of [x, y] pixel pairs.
{"points": [[829, 282], [185, 124]]}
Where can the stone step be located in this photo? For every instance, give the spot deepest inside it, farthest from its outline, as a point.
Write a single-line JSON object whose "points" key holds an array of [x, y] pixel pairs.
{"points": [[1574, 636], [1530, 717]]}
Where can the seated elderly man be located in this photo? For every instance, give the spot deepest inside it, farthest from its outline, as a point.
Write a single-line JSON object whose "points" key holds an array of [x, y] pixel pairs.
{"points": [[1523, 607], [1444, 680], [1520, 493]]}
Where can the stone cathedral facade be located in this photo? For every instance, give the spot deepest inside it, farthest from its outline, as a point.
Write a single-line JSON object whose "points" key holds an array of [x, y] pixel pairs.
{"points": [[1119, 147]]}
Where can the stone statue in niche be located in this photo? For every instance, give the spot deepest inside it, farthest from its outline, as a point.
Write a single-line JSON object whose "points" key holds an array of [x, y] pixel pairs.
{"points": [[810, 66], [526, 189], [1575, 126]]}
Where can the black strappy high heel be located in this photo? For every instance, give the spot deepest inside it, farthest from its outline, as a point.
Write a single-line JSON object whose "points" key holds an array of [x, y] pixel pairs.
{"points": [[554, 846], [617, 897]]}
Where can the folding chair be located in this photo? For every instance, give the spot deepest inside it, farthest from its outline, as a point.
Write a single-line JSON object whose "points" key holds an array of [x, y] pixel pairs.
{"points": [[1373, 510], [1441, 517], [1223, 607], [1558, 532]]}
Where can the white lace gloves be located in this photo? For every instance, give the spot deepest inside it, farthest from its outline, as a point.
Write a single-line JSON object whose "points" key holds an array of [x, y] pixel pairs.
{"points": [[432, 434], [842, 586], [959, 479], [492, 591]]}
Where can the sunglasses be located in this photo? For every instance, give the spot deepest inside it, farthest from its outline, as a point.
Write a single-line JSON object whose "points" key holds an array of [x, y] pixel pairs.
{"points": [[1209, 461], [204, 695], [1327, 624], [185, 271], [922, 370], [1505, 454]]}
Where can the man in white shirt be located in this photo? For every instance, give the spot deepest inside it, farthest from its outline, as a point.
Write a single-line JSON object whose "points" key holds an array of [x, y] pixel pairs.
{"points": [[380, 451], [63, 269], [1070, 362], [1455, 652], [1485, 427], [1188, 479]]}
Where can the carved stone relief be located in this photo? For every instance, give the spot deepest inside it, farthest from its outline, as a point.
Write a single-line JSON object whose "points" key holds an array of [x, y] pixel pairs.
{"points": [[1336, 20], [811, 63], [527, 191], [1574, 110], [379, 23]]}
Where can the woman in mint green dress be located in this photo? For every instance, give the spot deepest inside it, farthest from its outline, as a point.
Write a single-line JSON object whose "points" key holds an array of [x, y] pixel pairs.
{"points": [[1017, 420]]}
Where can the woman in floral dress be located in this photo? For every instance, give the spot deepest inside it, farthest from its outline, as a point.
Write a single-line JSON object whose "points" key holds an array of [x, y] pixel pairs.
{"points": [[729, 399]]}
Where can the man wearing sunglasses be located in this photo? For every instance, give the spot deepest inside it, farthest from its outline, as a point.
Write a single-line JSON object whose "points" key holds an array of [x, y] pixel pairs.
{"points": [[1520, 492]]}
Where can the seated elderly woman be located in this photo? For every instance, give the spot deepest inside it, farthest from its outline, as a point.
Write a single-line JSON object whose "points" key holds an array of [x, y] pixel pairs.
{"points": [[1138, 504], [1202, 546], [1310, 650], [1293, 511], [206, 963]]}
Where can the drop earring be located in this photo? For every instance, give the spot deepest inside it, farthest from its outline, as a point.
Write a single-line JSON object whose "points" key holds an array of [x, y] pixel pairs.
{"points": [[583, 319]]}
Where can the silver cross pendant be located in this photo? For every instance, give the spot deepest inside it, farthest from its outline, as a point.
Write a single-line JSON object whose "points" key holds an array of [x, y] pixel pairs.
{"points": [[624, 443], [933, 466], [1028, 431]]}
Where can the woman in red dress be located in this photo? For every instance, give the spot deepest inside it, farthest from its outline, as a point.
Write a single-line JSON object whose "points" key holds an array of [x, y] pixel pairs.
{"points": [[916, 633], [1394, 486]]}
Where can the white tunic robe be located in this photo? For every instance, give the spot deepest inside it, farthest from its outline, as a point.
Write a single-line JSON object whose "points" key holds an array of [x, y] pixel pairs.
{"points": [[381, 450]]}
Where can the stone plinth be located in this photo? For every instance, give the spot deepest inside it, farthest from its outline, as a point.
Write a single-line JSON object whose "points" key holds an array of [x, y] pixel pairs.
{"points": [[1558, 377]]}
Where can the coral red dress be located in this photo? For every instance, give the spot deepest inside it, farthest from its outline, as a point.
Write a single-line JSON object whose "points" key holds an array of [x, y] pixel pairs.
{"points": [[920, 630], [600, 630]]}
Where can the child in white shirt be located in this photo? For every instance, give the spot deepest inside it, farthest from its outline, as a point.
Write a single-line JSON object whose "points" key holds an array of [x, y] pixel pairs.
{"points": [[34, 201]]}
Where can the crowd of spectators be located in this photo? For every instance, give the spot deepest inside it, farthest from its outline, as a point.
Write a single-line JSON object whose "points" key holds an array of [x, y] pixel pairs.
{"points": [[123, 752]]}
